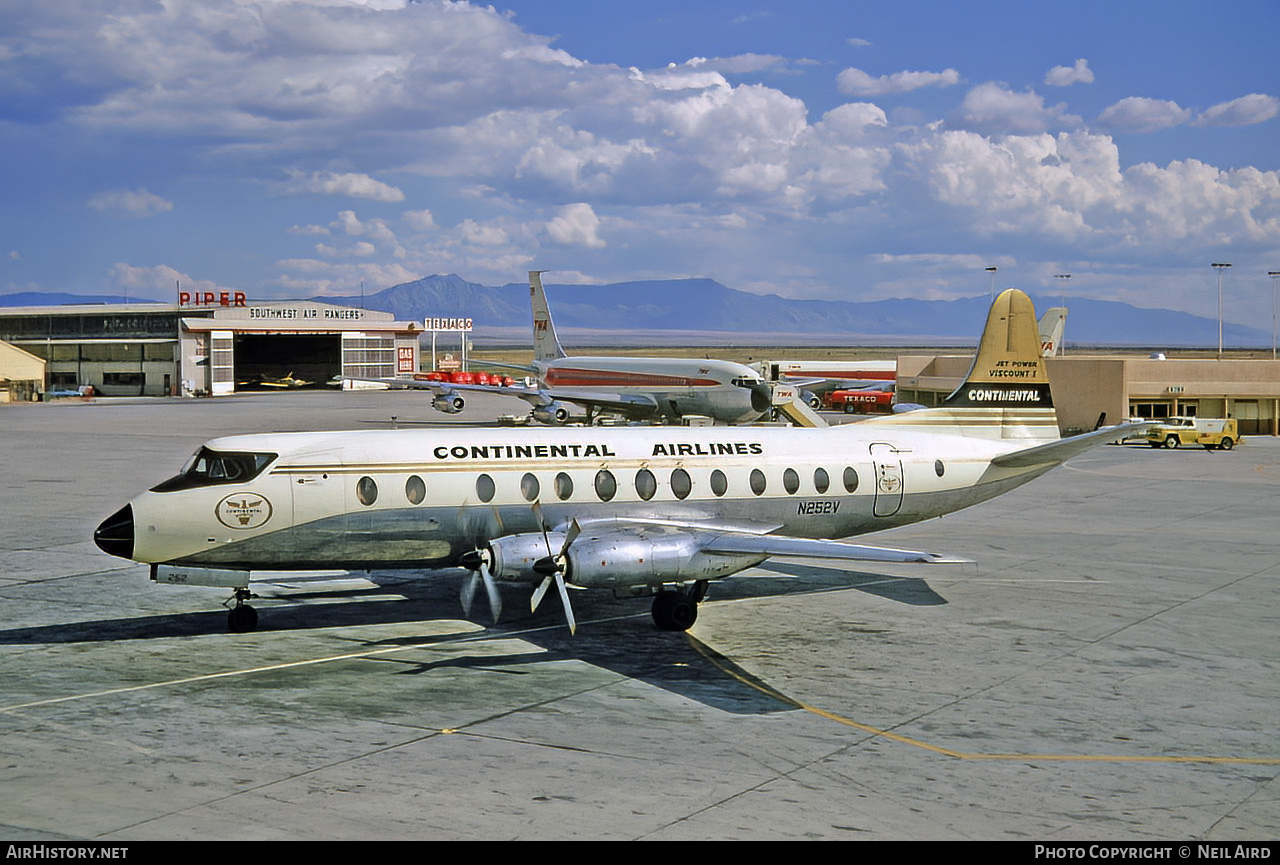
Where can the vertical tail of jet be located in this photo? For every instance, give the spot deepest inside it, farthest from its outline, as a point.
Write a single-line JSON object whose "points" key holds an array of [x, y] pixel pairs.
{"points": [[1051, 326], [1006, 393], [546, 345]]}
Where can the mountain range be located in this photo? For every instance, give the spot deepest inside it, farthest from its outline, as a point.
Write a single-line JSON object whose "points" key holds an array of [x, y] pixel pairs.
{"points": [[702, 311], [718, 313]]}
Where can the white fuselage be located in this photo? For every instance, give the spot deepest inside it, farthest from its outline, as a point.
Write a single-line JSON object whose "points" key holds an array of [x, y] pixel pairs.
{"points": [[726, 391], [423, 498]]}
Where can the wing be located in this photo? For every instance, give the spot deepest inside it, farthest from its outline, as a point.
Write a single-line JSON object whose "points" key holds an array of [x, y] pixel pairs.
{"points": [[631, 403], [758, 539], [783, 545]]}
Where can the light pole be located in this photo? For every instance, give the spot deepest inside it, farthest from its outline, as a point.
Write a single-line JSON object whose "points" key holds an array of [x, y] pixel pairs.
{"points": [[1062, 348], [1220, 266], [1064, 277], [1273, 274], [992, 294]]}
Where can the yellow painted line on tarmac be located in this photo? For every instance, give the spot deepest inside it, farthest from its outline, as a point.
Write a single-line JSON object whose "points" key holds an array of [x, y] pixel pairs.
{"points": [[715, 659]]}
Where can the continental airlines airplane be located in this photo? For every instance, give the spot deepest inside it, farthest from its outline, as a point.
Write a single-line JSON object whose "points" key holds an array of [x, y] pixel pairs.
{"points": [[638, 387], [636, 510]]}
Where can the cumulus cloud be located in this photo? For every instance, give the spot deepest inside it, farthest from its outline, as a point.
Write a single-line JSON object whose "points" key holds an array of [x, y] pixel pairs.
{"points": [[1245, 111], [351, 185], [1139, 114], [855, 82], [576, 225], [1062, 76], [159, 281], [419, 220], [130, 202], [993, 108]]}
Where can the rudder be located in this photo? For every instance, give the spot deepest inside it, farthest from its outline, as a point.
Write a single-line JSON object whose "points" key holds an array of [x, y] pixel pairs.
{"points": [[546, 345]]}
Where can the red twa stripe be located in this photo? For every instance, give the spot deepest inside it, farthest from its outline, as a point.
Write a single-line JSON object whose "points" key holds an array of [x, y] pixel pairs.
{"points": [[611, 378]]}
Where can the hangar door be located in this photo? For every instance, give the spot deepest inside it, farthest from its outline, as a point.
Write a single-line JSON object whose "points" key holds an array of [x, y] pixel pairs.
{"points": [[369, 355], [271, 361]]}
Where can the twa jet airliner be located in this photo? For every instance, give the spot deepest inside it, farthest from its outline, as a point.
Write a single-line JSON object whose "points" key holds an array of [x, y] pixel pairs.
{"points": [[637, 387], [632, 509]]}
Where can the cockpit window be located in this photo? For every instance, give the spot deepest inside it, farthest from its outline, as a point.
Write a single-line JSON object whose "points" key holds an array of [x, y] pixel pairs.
{"points": [[210, 468]]}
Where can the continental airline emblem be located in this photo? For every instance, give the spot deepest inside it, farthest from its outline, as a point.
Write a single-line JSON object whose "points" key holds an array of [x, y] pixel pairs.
{"points": [[243, 511]]}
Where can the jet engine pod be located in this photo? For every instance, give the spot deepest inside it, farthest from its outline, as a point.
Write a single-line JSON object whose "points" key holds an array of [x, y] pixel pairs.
{"points": [[552, 413], [512, 557], [449, 403]]}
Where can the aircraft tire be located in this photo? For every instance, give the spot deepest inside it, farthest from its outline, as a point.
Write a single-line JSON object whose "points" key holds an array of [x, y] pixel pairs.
{"points": [[242, 619], [1171, 442], [674, 611]]}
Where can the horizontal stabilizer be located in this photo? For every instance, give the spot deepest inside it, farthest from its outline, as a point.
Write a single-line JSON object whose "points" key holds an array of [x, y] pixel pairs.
{"points": [[1063, 449]]}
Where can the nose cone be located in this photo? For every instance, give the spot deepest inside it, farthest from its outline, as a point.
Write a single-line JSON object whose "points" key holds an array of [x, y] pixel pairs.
{"points": [[115, 535]]}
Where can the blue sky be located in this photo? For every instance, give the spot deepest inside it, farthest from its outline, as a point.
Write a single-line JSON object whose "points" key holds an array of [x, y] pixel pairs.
{"points": [[834, 150]]}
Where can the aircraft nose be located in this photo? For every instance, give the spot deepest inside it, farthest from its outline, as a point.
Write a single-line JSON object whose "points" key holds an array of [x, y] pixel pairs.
{"points": [[115, 534]]}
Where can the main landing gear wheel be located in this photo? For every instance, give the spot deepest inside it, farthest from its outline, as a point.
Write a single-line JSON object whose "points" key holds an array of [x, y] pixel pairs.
{"points": [[674, 611], [242, 619]]}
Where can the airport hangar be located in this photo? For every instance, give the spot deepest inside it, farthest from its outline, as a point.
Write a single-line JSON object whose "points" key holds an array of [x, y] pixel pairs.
{"points": [[209, 346], [1089, 391]]}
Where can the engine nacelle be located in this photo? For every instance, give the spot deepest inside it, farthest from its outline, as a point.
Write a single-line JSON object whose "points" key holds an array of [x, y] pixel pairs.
{"points": [[622, 560], [449, 403], [552, 413], [512, 557]]}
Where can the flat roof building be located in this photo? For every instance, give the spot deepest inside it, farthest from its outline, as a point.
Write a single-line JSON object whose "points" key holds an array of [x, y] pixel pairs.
{"points": [[1089, 391], [152, 349]]}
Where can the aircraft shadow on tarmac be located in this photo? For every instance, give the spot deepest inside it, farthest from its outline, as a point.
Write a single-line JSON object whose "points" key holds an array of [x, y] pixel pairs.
{"points": [[613, 634]]}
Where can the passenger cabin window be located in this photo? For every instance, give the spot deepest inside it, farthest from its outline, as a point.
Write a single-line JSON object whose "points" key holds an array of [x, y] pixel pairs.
{"points": [[564, 486], [485, 488], [646, 484], [415, 490], [529, 486], [758, 483], [367, 490], [719, 484], [681, 483], [938, 468], [790, 481], [209, 468], [821, 482], [606, 485], [850, 479]]}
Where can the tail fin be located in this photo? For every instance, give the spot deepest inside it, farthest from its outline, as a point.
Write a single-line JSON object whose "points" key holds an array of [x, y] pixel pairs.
{"points": [[1051, 325], [1008, 370], [1006, 393], [546, 345]]}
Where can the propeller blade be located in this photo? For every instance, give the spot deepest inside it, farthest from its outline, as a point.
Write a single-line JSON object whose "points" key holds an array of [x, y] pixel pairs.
{"points": [[570, 537], [495, 598], [469, 592], [538, 594], [568, 609]]}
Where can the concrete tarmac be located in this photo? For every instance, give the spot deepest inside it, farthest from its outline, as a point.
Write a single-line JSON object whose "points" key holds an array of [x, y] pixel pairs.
{"points": [[1106, 671]]}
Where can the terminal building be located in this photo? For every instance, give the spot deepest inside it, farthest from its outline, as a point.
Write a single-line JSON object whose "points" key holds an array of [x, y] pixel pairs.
{"points": [[1090, 391], [215, 345]]}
